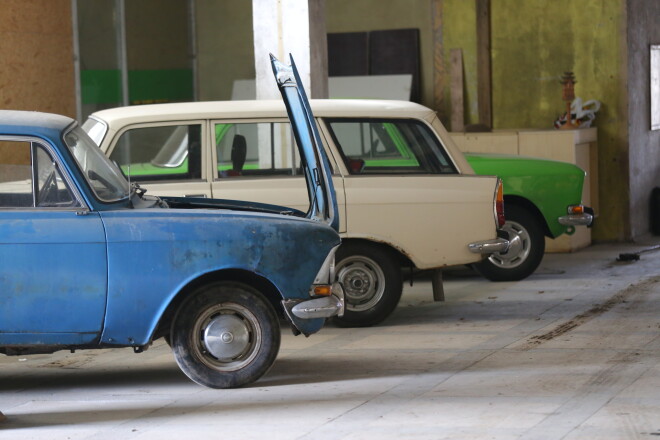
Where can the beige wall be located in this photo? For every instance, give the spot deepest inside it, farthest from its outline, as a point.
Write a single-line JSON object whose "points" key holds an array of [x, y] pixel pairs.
{"points": [[36, 52]]}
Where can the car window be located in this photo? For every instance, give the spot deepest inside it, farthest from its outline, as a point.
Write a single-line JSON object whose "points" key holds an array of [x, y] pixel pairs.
{"points": [[95, 129], [29, 177], [389, 146], [256, 149], [171, 152]]}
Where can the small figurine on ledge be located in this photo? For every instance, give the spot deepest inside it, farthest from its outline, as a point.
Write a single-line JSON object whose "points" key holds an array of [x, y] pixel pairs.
{"points": [[568, 95], [578, 114]]}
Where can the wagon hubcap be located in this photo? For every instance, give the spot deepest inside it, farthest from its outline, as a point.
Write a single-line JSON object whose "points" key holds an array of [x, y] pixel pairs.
{"points": [[363, 281], [519, 247]]}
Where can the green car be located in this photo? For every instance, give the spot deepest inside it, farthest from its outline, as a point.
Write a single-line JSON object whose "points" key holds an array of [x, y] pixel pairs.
{"points": [[542, 198]]}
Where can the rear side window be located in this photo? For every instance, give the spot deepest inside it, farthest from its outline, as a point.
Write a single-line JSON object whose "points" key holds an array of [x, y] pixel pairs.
{"points": [[171, 152], [389, 146], [256, 149]]}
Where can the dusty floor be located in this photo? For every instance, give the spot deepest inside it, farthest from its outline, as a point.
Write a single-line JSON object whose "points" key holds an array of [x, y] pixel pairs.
{"points": [[573, 352]]}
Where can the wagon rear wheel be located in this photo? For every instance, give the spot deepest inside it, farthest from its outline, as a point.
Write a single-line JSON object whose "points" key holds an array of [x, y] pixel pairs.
{"points": [[226, 335], [372, 283]]}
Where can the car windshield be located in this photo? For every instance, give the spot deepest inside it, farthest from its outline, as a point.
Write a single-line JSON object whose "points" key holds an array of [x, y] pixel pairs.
{"points": [[104, 177]]}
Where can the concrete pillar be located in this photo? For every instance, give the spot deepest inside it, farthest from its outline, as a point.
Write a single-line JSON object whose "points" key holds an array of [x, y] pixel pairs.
{"points": [[296, 27]]}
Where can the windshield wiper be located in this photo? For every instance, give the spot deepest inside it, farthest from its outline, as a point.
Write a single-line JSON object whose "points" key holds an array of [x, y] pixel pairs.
{"points": [[137, 189]]}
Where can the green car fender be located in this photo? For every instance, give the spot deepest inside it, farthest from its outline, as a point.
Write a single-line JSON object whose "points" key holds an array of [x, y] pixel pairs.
{"points": [[550, 185]]}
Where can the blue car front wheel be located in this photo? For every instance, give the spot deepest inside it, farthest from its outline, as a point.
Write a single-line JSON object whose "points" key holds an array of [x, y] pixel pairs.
{"points": [[225, 335]]}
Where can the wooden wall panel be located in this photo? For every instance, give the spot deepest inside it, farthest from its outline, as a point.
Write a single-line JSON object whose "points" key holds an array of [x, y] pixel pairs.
{"points": [[37, 56]]}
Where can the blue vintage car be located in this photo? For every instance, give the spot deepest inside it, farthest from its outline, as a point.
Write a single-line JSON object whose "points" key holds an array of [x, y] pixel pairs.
{"points": [[90, 261]]}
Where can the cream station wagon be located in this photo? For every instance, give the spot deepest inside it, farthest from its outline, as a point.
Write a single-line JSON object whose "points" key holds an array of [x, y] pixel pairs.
{"points": [[406, 195]]}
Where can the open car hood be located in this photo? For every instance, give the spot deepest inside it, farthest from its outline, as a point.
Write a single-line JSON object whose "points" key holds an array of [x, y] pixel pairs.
{"points": [[322, 199]]}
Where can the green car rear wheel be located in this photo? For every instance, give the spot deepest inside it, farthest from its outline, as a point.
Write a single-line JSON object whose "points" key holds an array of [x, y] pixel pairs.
{"points": [[527, 245]]}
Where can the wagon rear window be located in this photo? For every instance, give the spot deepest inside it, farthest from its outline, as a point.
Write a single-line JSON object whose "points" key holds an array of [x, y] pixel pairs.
{"points": [[389, 146]]}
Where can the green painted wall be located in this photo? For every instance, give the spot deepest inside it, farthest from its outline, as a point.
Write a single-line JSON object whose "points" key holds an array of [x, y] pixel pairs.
{"points": [[533, 43], [459, 32], [531, 49], [145, 86]]}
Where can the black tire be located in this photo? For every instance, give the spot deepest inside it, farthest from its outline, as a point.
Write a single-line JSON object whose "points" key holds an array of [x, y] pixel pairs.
{"points": [[225, 335], [527, 245], [372, 282]]}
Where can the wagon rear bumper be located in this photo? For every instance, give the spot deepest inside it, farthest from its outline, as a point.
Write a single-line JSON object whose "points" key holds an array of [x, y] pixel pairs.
{"points": [[489, 246]]}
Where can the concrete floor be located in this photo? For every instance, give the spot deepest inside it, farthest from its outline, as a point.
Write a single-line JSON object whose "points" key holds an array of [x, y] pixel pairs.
{"points": [[573, 352]]}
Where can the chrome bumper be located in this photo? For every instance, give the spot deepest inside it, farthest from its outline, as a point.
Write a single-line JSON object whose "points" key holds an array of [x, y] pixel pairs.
{"points": [[576, 219], [489, 246], [324, 307]]}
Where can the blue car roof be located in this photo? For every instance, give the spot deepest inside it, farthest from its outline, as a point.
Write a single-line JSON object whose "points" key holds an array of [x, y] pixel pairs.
{"points": [[33, 123]]}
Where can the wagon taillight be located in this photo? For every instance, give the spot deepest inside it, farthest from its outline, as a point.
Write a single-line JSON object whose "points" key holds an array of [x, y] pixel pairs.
{"points": [[499, 204]]}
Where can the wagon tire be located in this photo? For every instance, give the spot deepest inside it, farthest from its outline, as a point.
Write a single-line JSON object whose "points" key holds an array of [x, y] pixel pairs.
{"points": [[527, 245], [225, 335], [371, 278]]}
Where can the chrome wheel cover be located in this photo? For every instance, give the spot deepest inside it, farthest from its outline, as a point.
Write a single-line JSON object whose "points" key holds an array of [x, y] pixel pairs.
{"points": [[519, 247], [228, 337], [363, 281]]}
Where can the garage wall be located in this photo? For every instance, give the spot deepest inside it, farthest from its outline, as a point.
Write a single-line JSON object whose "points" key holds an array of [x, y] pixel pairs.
{"points": [[225, 46], [643, 31], [36, 52], [533, 43], [375, 15]]}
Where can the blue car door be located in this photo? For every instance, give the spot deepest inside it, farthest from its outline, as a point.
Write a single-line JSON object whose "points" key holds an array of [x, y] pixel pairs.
{"points": [[53, 270]]}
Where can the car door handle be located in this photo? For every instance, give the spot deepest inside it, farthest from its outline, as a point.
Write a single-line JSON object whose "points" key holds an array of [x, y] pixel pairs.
{"points": [[196, 195]]}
